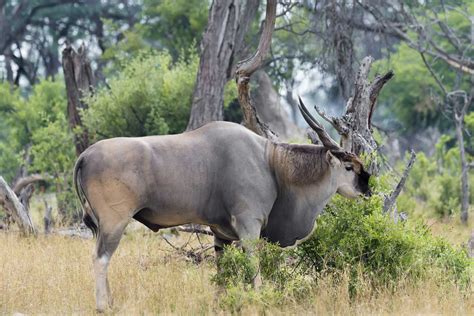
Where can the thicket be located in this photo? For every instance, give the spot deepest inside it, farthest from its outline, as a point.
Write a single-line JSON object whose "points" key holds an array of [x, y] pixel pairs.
{"points": [[434, 184], [353, 239], [151, 95]]}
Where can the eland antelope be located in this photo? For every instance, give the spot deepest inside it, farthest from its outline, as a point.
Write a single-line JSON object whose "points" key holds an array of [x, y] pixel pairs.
{"points": [[222, 175]]}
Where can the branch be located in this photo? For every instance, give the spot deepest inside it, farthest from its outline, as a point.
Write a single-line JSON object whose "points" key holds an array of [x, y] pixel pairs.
{"points": [[23, 182], [325, 117], [433, 74], [390, 201], [12, 205], [313, 136], [196, 230], [375, 88], [247, 67]]}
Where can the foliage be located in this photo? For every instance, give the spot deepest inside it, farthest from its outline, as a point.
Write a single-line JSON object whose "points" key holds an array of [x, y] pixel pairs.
{"points": [[282, 281], [27, 122], [353, 237], [409, 94], [36, 125], [172, 26], [150, 96], [356, 236], [435, 182], [37, 28]]}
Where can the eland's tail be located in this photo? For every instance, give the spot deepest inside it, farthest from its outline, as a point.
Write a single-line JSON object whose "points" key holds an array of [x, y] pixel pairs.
{"points": [[89, 218]]}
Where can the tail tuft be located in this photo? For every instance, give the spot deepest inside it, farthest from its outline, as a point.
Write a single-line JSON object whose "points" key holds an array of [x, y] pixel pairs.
{"points": [[89, 222]]}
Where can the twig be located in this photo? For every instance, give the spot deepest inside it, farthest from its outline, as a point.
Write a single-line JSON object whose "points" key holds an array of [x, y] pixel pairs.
{"points": [[196, 230], [390, 201]]}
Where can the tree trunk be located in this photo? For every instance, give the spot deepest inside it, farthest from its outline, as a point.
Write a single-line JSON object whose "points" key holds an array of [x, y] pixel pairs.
{"points": [[458, 120], [470, 245], [47, 217], [14, 208], [79, 84], [269, 108], [223, 39]]}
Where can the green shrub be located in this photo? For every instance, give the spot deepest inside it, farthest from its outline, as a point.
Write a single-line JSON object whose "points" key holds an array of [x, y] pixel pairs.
{"points": [[355, 235], [354, 238], [436, 181], [150, 96], [282, 278], [235, 267]]}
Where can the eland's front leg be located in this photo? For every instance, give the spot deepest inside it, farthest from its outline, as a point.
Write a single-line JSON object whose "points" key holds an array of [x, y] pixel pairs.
{"points": [[248, 230]]}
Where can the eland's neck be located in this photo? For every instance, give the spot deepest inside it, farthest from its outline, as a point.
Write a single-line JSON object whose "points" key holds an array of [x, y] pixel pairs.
{"points": [[300, 165]]}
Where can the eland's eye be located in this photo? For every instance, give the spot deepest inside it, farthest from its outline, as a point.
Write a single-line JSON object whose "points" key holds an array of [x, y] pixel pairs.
{"points": [[349, 168]]}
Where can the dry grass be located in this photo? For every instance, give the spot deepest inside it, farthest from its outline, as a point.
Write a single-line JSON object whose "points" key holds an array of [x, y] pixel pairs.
{"points": [[53, 275]]}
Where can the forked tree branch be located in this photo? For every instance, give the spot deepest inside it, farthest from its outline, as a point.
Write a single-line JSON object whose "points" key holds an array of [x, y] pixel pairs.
{"points": [[23, 182]]}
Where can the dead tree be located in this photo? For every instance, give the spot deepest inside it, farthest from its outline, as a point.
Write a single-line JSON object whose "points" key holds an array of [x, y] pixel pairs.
{"points": [[222, 41], [389, 202], [459, 101], [355, 126], [79, 80], [15, 208], [455, 104]]}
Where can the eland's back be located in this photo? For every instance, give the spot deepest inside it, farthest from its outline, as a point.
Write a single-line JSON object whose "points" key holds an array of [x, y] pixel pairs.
{"points": [[176, 179]]}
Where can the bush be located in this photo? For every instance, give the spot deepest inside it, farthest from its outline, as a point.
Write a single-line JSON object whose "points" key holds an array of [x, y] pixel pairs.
{"points": [[353, 238], [355, 235], [436, 181], [151, 96], [282, 278]]}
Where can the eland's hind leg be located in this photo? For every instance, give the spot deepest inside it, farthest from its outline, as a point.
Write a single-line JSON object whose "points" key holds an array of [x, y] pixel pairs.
{"points": [[113, 204], [108, 239]]}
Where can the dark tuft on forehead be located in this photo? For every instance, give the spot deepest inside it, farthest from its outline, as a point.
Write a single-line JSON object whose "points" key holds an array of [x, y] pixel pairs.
{"points": [[348, 157]]}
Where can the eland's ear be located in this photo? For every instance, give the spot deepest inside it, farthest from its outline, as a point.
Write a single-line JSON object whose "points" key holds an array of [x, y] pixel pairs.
{"points": [[331, 159]]}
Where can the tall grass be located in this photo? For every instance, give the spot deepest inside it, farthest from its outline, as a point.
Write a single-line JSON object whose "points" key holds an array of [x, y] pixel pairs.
{"points": [[53, 275]]}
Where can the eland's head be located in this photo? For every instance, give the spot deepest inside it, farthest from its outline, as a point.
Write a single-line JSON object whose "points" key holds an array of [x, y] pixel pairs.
{"points": [[347, 169]]}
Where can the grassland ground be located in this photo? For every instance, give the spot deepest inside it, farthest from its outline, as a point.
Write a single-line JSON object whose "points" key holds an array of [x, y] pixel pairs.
{"points": [[53, 275]]}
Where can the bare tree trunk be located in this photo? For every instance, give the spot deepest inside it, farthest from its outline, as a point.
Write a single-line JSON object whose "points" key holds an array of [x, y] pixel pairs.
{"points": [[227, 24], [12, 205], [269, 108], [464, 169], [47, 217], [79, 80], [470, 245]]}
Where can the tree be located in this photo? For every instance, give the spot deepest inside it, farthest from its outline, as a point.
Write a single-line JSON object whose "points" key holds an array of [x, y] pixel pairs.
{"points": [[221, 45], [80, 83], [31, 123], [445, 24], [33, 30]]}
